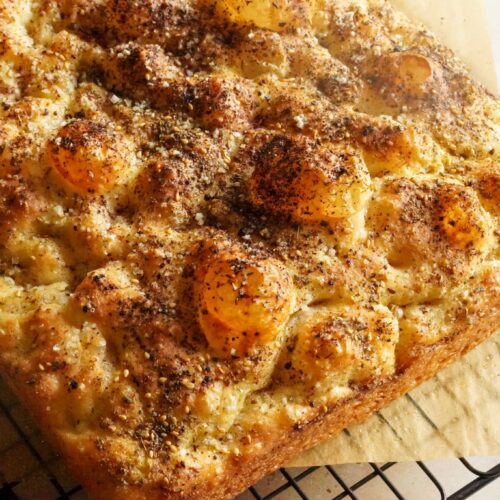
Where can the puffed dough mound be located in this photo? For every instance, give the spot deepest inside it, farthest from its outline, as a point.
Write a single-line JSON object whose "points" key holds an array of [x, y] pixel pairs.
{"points": [[230, 228]]}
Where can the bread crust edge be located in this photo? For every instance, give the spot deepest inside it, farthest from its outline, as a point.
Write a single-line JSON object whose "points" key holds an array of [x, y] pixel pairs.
{"points": [[280, 445]]}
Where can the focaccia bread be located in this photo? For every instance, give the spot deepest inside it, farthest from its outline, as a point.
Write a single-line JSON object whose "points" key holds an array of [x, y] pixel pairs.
{"points": [[230, 228]]}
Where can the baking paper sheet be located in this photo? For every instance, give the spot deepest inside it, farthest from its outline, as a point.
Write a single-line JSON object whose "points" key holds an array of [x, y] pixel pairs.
{"points": [[458, 412]]}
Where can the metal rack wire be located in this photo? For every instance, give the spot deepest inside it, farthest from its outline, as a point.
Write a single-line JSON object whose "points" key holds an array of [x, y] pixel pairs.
{"points": [[294, 483], [29, 469]]}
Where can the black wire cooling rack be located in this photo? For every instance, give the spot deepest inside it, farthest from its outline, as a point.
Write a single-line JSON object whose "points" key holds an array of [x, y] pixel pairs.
{"points": [[29, 469], [295, 485]]}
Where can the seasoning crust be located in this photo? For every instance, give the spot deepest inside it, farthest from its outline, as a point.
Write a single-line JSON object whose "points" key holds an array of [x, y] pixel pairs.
{"points": [[229, 229]]}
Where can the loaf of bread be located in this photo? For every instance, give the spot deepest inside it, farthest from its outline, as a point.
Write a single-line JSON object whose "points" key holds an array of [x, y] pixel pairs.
{"points": [[231, 228]]}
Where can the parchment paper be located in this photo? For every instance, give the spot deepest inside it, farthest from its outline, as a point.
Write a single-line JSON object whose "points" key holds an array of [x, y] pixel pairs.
{"points": [[458, 412]]}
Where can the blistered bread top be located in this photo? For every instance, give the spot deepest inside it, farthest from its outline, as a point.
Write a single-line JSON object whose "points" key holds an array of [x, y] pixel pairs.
{"points": [[220, 217]]}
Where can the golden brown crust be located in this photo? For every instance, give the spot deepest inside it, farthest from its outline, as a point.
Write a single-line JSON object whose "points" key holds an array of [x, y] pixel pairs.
{"points": [[229, 228], [474, 325]]}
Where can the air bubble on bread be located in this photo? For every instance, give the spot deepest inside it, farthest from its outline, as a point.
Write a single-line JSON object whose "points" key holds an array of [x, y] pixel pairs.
{"points": [[274, 15], [409, 70], [347, 341], [89, 157], [244, 301], [309, 181], [406, 78]]}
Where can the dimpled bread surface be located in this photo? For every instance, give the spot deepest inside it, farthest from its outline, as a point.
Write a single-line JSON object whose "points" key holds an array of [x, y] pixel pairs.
{"points": [[230, 228]]}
